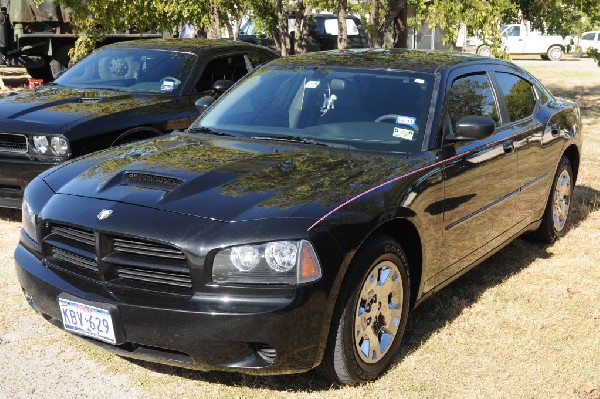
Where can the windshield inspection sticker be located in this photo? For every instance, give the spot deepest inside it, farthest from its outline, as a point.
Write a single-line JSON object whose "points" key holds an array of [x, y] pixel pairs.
{"points": [[405, 134], [167, 85], [311, 84], [406, 120]]}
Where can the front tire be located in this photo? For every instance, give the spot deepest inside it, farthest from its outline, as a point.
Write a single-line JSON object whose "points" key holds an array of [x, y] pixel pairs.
{"points": [[556, 215], [370, 315]]}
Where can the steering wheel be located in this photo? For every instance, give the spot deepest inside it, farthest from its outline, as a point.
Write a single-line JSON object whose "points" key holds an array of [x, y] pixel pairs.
{"points": [[385, 117]]}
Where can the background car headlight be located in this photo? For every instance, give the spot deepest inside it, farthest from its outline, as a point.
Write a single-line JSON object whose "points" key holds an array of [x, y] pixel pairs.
{"points": [[50, 145], [277, 262], [40, 144], [28, 220], [59, 145]]}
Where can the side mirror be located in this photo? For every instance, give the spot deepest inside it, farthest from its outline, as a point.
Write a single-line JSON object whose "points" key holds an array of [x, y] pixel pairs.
{"points": [[473, 127], [221, 86], [203, 103]]}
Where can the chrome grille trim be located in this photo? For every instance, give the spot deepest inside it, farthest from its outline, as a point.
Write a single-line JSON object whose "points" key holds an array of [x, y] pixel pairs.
{"points": [[15, 143]]}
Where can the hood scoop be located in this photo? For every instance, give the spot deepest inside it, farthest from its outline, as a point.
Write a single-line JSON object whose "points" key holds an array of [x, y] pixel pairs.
{"points": [[150, 181], [91, 100]]}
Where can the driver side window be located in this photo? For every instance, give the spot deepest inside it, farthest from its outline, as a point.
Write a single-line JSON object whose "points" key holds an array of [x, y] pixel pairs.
{"points": [[472, 95], [231, 67]]}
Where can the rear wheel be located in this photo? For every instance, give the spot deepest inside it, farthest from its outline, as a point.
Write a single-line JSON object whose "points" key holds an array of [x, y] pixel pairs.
{"points": [[370, 315], [484, 51], [554, 53], [60, 60], [556, 215]]}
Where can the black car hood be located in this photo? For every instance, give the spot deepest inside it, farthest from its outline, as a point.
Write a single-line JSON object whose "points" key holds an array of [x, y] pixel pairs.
{"points": [[228, 179], [54, 109]]}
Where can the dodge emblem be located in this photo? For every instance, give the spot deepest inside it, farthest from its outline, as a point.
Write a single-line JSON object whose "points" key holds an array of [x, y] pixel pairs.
{"points": [[104, 213]]}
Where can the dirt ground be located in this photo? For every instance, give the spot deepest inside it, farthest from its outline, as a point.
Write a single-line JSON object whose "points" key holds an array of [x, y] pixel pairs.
{"points": [[525, 324]]}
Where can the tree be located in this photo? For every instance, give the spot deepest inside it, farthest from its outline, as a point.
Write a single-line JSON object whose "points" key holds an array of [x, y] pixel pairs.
{"points": [[482, 17]]}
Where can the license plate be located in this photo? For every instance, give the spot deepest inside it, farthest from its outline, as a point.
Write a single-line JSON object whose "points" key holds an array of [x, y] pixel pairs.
{"points": [[87, 320]]}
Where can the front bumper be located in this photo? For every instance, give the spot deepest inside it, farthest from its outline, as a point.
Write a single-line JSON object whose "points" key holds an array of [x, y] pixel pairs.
{"points": [[16, 174], [260, 334]]}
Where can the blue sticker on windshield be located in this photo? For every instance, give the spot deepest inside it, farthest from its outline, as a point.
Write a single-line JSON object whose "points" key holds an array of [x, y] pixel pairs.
{"points": [[406, 120], [167, 85]]}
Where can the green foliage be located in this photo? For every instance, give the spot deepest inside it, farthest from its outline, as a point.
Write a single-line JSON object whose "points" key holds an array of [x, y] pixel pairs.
{"points": [[481, 17], [595, 54], [563, 17]]}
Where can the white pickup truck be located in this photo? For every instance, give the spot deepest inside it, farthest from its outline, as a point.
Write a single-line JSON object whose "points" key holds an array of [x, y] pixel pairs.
{"points": [[519, 39]]}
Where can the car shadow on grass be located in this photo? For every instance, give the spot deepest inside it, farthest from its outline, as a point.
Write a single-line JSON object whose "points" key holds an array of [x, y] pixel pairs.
{"points": [[13, 79], [10, 215], [431, 316]]}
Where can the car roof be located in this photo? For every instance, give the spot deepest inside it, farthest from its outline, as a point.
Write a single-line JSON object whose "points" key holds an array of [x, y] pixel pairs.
{"points": [[398, 59], [193, 45]]}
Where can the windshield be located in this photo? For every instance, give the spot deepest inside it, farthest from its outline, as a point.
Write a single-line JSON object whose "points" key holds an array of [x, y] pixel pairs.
{"points": [[368, 109], [131, 69]]}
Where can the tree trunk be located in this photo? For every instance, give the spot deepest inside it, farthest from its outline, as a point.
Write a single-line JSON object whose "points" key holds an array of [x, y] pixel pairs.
{"points": [[229, 28], [214, 31], [283, 30], [342, 40], [300, 39], [374, 41], [401, 28]]}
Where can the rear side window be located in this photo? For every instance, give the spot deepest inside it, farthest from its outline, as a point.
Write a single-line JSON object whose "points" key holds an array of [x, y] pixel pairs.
{"points": [[518, 95], [472, 95], [589, 36]]}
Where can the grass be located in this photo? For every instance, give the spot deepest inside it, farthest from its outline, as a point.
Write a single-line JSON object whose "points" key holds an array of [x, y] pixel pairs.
{"points": [[524, 324]]}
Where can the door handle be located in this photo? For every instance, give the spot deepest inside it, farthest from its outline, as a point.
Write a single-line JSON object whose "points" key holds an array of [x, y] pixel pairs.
{"points": [[509, 147]]}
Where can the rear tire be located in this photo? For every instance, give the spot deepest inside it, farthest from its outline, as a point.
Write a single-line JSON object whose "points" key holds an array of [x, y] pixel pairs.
{"points": [[60, 61], [554, 53], [370, 315], [484, 51], [555, 221]]}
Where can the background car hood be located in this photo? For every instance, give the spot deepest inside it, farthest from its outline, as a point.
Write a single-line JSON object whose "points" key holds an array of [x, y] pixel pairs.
{"points": [[227, 179], [53, 109]]}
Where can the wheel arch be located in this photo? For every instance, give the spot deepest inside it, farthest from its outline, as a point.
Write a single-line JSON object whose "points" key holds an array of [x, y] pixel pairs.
{"points": [[572, 154], [137, 133], [406, 233]]}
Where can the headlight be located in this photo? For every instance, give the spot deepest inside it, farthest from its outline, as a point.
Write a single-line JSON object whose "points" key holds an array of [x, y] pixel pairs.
{"points": [[59, 145], [278, 262], [40, 144], [28, 219], [50, 145]]}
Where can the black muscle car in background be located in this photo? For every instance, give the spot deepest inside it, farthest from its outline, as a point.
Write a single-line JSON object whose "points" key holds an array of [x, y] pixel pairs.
{"points": [[303, 215], [118, 94]]}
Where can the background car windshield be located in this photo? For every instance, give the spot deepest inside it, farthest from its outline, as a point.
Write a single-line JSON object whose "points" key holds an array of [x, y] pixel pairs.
{"points": [[367, 109], [131, 69]]}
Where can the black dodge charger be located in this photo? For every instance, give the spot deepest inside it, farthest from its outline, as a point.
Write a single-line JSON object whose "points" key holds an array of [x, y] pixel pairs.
{"points": [[304, 215], [120, 93]]}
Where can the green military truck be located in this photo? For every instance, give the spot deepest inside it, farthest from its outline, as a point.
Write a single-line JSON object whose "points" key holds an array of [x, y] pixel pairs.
{"points": [[39, 36]]}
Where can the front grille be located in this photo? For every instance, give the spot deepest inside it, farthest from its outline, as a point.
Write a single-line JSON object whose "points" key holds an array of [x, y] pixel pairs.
{"points": [[152, 265], [9, 188], [72, 249], [13, 143], [148, 180], [124, 262]]}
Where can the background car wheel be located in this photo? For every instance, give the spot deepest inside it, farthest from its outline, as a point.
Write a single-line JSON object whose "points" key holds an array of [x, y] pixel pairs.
{"points": [[554, 53], [370, 315], [40, 73], [484, 51], [556, 215], [60, 60]]}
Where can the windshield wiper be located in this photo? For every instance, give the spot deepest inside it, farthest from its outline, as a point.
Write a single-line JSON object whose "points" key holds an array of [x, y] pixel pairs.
{"points": [[207, 130], [293, 139]]}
